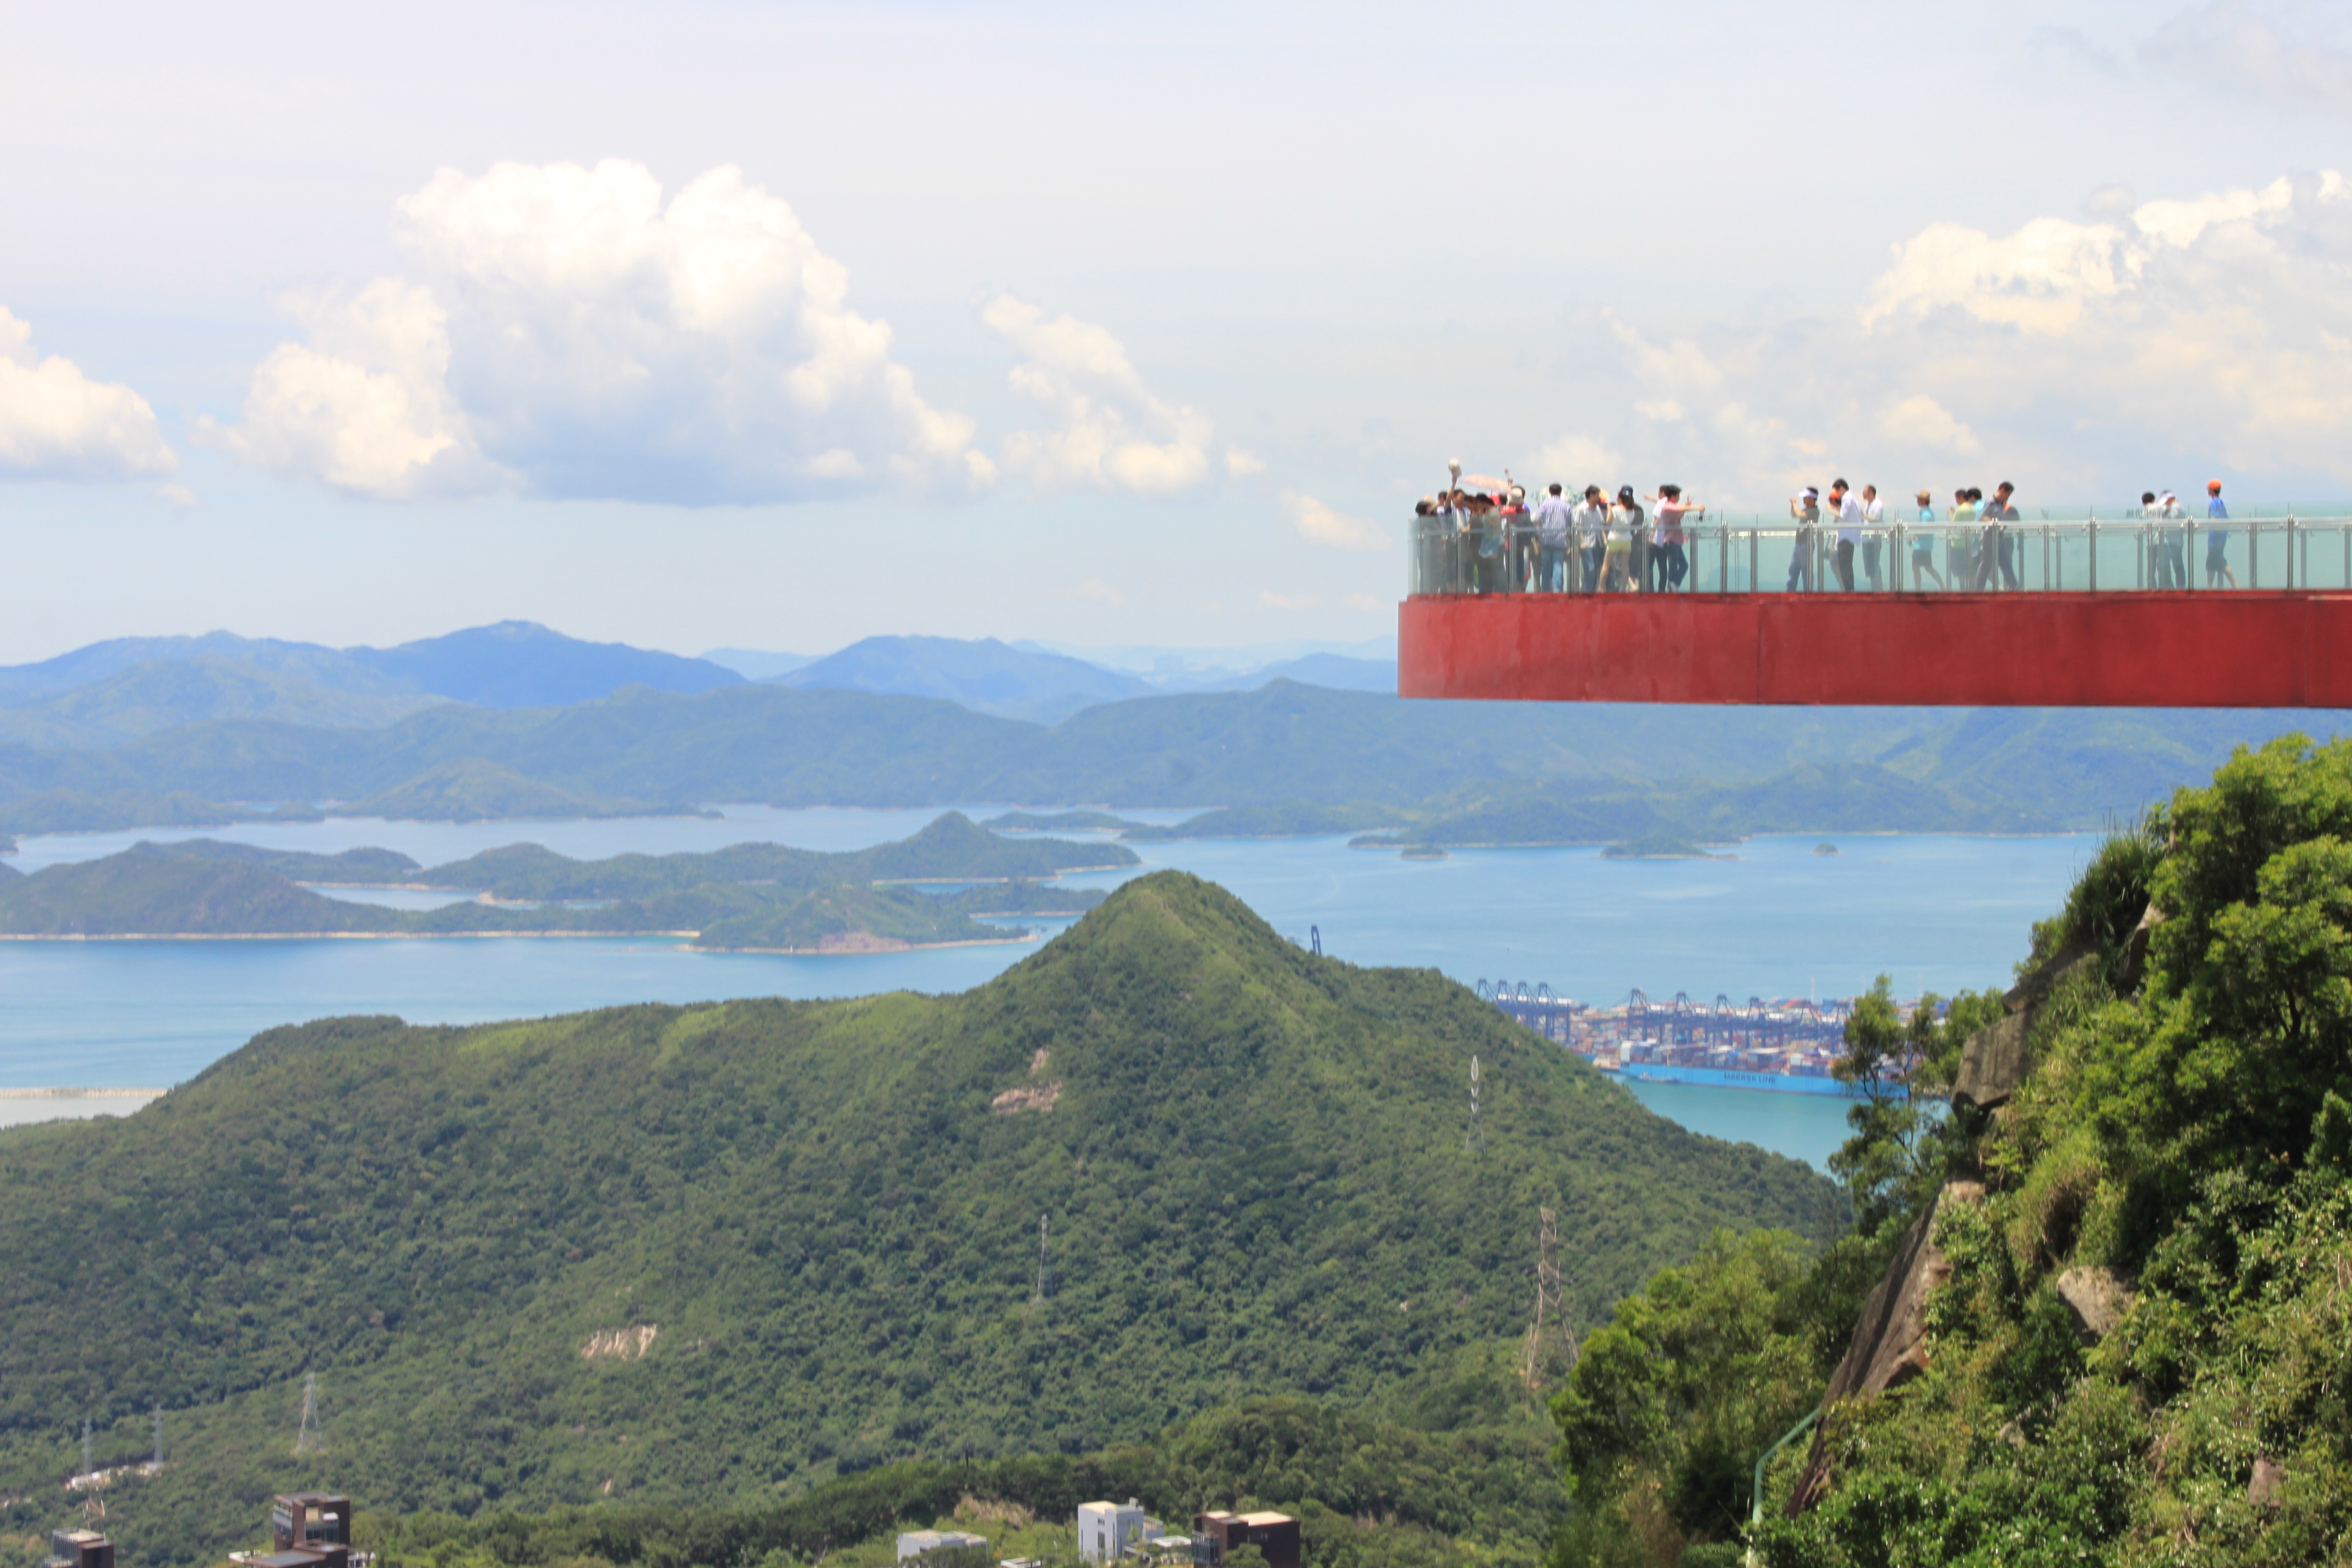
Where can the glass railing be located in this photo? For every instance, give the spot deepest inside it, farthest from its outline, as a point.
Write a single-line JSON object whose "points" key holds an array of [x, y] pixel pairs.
{"points": [[2079, 555]]}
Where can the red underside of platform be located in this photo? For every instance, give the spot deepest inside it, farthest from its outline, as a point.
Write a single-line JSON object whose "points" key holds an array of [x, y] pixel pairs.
{"points": [[2022, 650]]}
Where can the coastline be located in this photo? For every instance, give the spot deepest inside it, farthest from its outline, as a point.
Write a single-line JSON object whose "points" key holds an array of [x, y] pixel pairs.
{"points": [[873, 947]]}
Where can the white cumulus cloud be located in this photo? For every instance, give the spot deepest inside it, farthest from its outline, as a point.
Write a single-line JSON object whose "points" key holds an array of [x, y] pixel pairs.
{"points": [[364, 404], [1573, 461], [1108, 431], [1319, 524], [571, 333], [1920, 421], [56, 423]]}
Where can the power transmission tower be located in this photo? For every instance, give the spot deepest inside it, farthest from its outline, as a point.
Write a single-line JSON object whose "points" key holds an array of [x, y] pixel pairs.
{"points": [[1549, 1340], [306, 1437], [1042, 1274], [159, 1436], [1475, 1141], [87, 1466]]}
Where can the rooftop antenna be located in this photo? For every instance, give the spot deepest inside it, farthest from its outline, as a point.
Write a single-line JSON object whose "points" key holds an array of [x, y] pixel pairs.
{"points": [[1548, 1336], [306, 1437], [1041, 1259], [1476, 1141]]}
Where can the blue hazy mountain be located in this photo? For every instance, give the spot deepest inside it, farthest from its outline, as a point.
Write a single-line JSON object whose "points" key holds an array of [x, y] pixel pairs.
{"points": [[1338, 671], [117, 690], [100, 661], [987, 676], [162, 693], [522, 664], [754, 664]]}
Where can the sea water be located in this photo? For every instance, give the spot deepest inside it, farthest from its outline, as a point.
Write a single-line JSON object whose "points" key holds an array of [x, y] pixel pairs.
{"points": [[1778, 920]]}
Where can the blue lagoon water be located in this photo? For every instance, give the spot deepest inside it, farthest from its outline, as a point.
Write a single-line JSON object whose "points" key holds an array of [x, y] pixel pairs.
{"points": [[1943, 912]]}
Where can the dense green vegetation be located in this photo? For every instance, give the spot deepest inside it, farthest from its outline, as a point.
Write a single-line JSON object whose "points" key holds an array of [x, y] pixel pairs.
{"points": [[2139, 1355], [1457, 1474], [752, 896], [714, 1255]]}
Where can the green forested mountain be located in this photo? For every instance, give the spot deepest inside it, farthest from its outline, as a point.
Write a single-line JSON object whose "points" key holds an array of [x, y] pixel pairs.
{"points": [[696, 1254]]}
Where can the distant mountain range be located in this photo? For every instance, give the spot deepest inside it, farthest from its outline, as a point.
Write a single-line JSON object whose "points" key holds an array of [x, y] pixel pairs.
{"points": [[517, 721], [1030, 680], [113, 692], [118, 690]]}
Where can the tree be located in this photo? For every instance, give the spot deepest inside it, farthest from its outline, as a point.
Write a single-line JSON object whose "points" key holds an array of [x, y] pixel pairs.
{"points": [[1879, 1163]]}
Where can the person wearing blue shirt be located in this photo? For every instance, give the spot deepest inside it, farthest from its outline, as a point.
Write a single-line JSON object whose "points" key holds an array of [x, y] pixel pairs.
{"points": [[1555, 522], [2217, 539]]}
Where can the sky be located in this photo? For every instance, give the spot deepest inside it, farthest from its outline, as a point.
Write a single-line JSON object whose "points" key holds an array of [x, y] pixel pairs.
{"points": [[774, 326]]}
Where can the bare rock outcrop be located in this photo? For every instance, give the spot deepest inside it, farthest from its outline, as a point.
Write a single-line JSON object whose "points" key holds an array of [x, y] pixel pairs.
{"points": [[2096, 1298], [1890, 1339], [2133, 968], [1992, 1064], [2266, 1488]]}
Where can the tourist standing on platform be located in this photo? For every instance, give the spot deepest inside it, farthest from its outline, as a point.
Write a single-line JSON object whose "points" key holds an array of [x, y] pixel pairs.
{"points": [[1626, 521], [1923, 545], [2006, 545], [1873, 537], [2217, 539], [1849, 531], [2174, 534], [2161, 575], [1673, 561], [1995, 545], [1960, 557], [1554, 519], [1592, 519], [1521, 534], [1807, 510]]}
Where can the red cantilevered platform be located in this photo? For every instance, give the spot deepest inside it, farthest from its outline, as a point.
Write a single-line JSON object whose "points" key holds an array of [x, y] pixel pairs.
{"points": [[2145, 650]]}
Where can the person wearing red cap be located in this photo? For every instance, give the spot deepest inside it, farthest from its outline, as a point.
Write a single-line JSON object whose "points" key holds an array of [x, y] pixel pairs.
{"points": [[2217, 539]]}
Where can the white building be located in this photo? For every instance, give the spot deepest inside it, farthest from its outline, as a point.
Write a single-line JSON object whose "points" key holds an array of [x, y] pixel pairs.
{"points": [[919, 1543], [1113, 1530]]}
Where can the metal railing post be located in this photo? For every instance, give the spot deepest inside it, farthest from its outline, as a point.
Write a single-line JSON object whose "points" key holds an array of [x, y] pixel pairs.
{"points": [[2091, 534], [1755, 1479]]}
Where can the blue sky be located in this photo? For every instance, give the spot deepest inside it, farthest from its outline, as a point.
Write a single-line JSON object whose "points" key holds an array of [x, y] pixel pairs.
{"points": [[775, 326]]}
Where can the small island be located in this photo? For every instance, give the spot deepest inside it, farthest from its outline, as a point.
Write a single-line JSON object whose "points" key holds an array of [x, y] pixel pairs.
{"points": [[1825, 848], [1660, 846], [755, 898]]}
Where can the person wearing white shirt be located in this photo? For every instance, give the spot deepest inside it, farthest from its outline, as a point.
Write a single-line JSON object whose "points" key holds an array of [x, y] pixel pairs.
{"points": [[1591, 520], [1848, 512], [1666, 552], [1873, 537]]}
